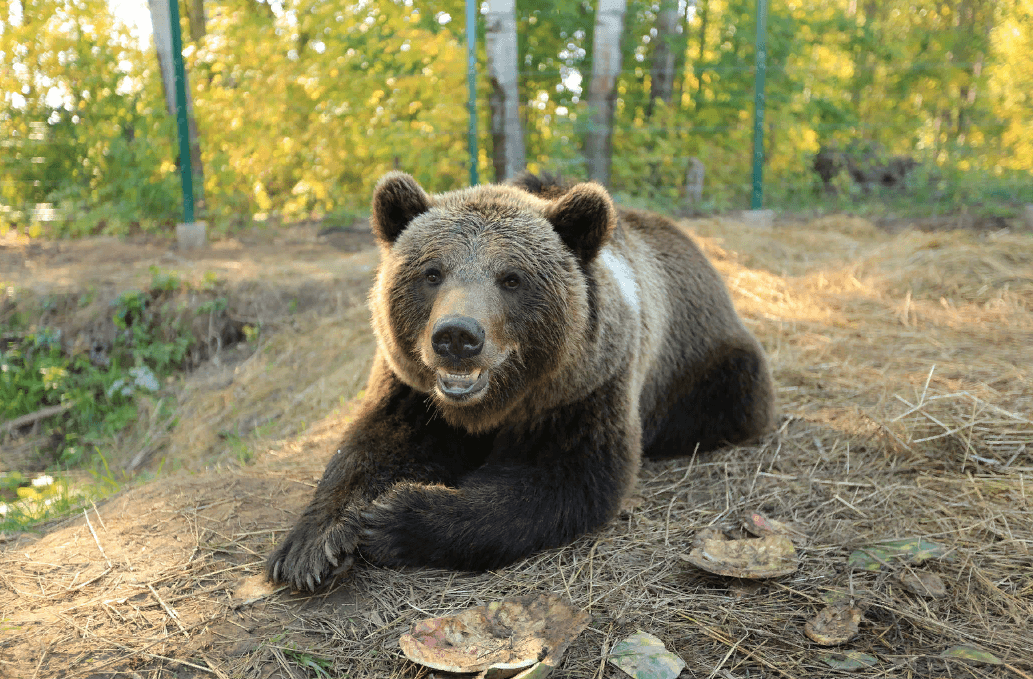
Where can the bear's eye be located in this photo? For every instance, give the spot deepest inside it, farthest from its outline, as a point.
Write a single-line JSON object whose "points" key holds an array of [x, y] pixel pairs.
{"points": [[433, 276], [511, 282]]}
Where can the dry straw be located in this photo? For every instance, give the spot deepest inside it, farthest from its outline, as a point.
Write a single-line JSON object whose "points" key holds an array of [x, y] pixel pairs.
{"points": [[904, 376]]}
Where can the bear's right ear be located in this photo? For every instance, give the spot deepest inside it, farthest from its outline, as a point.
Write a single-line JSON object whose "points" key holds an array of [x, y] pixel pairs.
{"points": [[397, 200], [584, 218]]}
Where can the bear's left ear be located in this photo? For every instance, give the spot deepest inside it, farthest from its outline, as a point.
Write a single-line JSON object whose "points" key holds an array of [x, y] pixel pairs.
{"points": [[584, 218], [397, 200]]}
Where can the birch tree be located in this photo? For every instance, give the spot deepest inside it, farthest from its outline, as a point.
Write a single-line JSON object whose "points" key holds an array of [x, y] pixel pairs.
{"points": [[602, 93], [162, 26], [668, 25], [506, 128]]}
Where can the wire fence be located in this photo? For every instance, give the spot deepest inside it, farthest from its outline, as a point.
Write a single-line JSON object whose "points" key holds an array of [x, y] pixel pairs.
{"points": [[910, 137]]}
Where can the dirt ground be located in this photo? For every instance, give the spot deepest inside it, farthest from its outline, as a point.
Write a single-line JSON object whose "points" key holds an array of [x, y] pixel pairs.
{"points": [[904, 379]]}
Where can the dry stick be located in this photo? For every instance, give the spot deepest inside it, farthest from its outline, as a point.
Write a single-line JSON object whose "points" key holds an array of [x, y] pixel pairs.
{"points": [[168, 609], [40, 414], [1017, 671], [142, 651], [182, 662], [717, 668], [605, 653], [717, 636], [40, 663], [91, 580], [99, 517], [96, 539]]}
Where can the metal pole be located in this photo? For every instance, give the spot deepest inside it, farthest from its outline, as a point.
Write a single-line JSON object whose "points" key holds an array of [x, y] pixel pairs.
{"points": [[757, 198], [471, 82], [185, 167]]}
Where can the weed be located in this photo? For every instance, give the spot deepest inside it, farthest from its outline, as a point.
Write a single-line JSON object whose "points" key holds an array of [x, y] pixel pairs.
{"points": [[318, 665], [164, 281], [25, 503], [244, 454]]}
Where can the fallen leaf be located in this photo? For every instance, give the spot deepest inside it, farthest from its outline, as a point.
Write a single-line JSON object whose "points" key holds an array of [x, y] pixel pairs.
{"points": [[833, 625], [924, 584], [768, 557], [972, 654], [643, 656], [850, 661], [530, 632], [912, 550]]}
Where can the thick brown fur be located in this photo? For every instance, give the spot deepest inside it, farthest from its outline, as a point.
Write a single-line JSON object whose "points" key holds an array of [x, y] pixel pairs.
{"points": [[534, 341]]}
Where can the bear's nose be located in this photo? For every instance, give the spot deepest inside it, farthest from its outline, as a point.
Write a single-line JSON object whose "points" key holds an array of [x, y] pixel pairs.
{"points": [[457, 337]]}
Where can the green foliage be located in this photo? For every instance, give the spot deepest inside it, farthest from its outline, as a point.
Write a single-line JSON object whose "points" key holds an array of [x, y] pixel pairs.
{"points": [[82, 122], [302, 105], [25, 503], [151, 342]]}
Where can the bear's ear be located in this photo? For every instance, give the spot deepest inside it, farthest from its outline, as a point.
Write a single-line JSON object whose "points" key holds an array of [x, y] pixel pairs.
{"points": [[584, 218], [397, 200]]}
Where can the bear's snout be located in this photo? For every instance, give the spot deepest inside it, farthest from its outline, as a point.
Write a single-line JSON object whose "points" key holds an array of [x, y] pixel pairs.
{"points": [[457, 337]]}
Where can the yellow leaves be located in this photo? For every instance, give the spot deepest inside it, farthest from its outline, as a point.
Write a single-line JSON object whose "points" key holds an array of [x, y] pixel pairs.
{"points": [[261, 197]]}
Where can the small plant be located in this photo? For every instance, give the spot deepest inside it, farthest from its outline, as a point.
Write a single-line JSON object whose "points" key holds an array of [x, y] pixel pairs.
{"points": [[164, 281], [25, 503]]}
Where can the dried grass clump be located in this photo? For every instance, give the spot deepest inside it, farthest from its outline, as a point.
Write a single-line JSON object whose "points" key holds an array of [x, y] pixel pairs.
{"points": [[903, 418]]}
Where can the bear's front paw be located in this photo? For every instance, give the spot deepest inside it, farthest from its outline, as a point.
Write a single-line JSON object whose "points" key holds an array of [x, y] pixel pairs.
{"points": [[399, 528], [312, 551]]}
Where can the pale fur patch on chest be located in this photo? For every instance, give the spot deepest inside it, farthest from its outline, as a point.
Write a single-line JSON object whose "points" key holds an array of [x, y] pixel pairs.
{"points": [[625, 277]]}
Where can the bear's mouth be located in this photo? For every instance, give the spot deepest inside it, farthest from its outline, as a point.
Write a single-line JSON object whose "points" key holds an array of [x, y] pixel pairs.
{"points": [[461, 386]]}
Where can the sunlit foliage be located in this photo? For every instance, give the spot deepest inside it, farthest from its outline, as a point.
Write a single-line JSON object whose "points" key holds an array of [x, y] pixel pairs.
{"points": [[302, 104]]}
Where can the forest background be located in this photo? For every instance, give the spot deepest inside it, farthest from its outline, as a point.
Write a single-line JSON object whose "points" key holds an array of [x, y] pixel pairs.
{"points": [[301, 105]]}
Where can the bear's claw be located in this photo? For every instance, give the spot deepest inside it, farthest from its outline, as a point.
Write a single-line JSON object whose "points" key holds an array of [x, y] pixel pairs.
{"points": [[311, 553]]}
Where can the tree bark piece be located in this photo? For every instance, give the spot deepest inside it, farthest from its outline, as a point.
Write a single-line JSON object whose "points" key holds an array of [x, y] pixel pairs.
{"points": [[506, 129], [602, 93], [34, 417]]}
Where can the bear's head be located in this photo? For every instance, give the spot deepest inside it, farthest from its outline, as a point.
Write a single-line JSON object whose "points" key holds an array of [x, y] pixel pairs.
{"points": [[482, 293]]}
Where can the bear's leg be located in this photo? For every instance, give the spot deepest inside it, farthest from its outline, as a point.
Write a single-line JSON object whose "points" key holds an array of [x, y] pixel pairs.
{"points": [[394, 438], [730, 401], [541, 487]]}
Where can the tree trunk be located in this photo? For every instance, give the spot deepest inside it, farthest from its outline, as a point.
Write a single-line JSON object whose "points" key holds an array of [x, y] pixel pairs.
{"points": [[196, 19], [606, 67], [506, 128], [704, 12], [665, 54], [163, 44]]}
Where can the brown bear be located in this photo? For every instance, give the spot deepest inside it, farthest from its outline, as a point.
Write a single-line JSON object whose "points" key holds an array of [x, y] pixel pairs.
{"points": [[534, 342]]}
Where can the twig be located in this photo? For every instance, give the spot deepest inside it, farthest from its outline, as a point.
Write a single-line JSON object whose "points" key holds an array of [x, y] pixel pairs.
{"points": [[1017, 671], [40, 414], [169, 610], [96, 539], [91, 671], [91, 580], [719, 637], [40, 663], [179, 661]]}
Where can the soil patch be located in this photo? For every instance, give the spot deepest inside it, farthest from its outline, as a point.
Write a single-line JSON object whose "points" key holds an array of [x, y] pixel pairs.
{"points": [[904, 380]]}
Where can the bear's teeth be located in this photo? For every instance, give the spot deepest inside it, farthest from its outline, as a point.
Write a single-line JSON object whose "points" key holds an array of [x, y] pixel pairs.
{"points": [[462, 377]]}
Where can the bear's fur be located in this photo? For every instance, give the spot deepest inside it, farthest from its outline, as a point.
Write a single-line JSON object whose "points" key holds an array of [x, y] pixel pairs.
{"points": [[534, 342]]}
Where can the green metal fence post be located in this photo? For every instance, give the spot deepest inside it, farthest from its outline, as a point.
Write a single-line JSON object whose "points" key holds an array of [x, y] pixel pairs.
{"points": [[186, 169], [757, 197], [471, 82]]}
